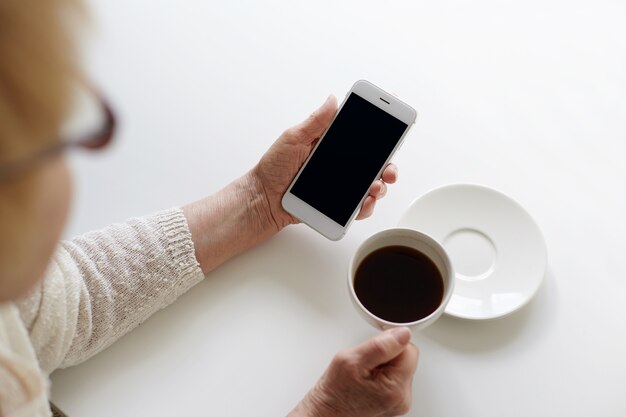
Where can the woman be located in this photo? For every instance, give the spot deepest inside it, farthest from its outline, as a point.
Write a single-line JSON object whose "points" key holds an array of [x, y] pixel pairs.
{"points": [[62, 303]]}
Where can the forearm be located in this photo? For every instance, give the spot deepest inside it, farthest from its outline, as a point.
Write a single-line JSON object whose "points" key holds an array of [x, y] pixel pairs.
{"points": [[104, 283], [229, 222]]}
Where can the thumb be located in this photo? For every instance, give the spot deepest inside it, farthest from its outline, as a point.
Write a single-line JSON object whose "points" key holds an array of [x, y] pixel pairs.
{"points": [[315, 125], [383, 348]]}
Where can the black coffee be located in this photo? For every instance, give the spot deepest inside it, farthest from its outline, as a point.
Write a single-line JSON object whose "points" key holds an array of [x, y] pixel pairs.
{"points": [[399, 284]]}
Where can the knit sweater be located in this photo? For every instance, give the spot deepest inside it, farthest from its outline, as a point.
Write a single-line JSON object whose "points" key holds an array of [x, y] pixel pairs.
{"points": [[98, 287]]}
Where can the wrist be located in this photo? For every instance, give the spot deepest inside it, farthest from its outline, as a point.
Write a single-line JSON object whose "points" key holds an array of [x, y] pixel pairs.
{"points": [[258, 203], [309, 408], [269, 197], [229, 222], [314, 404]]}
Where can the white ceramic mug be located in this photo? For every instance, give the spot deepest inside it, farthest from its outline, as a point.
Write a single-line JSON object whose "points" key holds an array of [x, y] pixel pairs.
{"points": [[415, 240]]}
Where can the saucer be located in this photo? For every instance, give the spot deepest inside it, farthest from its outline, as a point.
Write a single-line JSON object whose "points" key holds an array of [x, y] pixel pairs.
{"points": [[497, 251]]}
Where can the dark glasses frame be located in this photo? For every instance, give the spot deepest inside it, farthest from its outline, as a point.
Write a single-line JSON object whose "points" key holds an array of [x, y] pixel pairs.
{"points": [[91, 141]]}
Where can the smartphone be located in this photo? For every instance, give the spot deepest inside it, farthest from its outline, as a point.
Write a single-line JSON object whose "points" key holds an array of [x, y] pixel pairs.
{"points": [[332, 184]]}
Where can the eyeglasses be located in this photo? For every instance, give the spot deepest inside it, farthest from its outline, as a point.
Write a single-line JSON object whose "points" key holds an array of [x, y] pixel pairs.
{"points": [[91, 139]]}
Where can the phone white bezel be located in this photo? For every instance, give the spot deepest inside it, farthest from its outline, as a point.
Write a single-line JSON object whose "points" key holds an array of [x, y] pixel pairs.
{"points": [[311, 216]]}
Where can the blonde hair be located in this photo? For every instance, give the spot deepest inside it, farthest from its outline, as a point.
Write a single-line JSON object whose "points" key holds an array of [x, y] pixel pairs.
{"points": [[37, 67]]}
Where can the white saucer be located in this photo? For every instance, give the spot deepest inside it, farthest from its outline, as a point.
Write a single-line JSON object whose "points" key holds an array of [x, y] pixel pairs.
{"points": [[497, 251]]}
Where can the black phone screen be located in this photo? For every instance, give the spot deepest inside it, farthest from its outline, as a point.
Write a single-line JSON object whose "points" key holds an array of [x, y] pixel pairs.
{"points": [[348, 159]]}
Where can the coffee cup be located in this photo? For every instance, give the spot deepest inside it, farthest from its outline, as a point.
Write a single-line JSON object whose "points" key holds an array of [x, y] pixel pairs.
{"points": [[400, 277]]}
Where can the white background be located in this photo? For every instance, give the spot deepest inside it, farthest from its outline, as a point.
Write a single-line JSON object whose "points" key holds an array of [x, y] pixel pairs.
{"points": [[528, 97]]}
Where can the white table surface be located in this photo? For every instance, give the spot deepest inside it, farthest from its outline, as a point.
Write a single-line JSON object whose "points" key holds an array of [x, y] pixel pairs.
{"points": [[528, 97]]}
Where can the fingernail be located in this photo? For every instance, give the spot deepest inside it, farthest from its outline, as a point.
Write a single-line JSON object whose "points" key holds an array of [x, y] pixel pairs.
{"points": [[401, 334]]}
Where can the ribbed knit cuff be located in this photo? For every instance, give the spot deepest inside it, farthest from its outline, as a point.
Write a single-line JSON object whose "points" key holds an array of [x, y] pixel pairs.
{"points": [[179, 244]]}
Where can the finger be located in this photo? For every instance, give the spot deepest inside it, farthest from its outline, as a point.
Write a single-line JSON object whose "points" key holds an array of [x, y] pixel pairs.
{"points": [[383, 347], [378, 189], [390, 174], [313, 127], [405, 364], [367, 209]]}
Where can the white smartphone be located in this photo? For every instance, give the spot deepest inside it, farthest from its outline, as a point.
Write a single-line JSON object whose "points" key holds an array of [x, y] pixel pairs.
{"points": [[331, 186]]}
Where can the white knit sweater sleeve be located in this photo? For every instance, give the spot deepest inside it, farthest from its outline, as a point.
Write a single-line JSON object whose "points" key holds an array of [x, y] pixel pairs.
{"points": [[103, 284]]}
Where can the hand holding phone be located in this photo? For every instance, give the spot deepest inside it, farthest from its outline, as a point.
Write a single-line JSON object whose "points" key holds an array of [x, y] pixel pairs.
{"points": [[329, 189]]}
